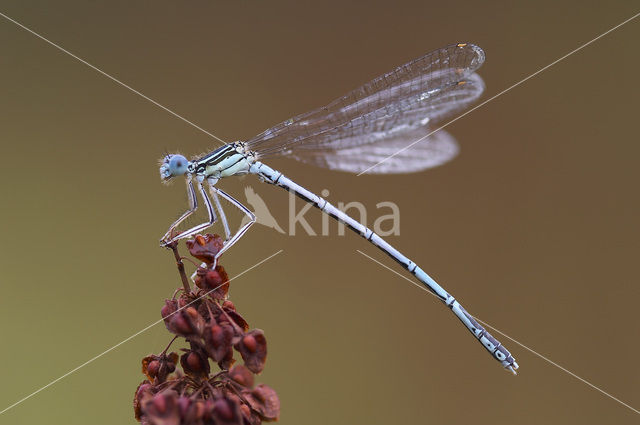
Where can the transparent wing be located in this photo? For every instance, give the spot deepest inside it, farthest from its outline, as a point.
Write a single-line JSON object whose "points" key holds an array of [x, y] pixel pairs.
{"points": [[417, 94], [434, 150]]}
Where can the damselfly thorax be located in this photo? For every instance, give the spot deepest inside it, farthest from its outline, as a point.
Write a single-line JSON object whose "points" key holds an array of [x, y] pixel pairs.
{"points": [[233, 159], [382, 127]]}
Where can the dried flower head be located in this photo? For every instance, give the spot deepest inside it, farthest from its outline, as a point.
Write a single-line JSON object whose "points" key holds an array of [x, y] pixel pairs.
{"points": [[190, 393]]}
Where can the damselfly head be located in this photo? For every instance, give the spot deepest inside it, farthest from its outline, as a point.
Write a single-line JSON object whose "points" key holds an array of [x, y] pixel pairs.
{"points": [[173, 166]]}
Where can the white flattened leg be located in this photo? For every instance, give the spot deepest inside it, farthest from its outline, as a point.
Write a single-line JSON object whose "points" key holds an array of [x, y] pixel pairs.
{"points": [[230, 240], [193, 205], [252, 218], [167, 239], [223, 217]]}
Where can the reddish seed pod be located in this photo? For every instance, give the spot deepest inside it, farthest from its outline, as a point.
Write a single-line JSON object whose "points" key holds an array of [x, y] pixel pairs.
{"points": [[194, 362], [214, 281], [208, 406], [184, 403], [180, 325], [205, 248], [170, 307], [143, 393], [200, 282], [213, 278], [242, 376], [265, 401], [143, 388], [166, 311], [223, 410], [171, 365], [160, 403], [216, 334], [192, 313], [250, 343], [192, 411], [253, 349], [228, 305], [199, 410], [153, 367]]}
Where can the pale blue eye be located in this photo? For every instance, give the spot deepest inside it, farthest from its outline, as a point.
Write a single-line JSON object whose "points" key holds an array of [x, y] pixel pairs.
{"points": [[178, 165]]}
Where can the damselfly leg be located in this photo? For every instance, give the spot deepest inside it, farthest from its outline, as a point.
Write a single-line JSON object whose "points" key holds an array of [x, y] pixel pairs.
{"points": [[193, 206], [236, 236], [230, 239], [170, 236], [223, 217]]}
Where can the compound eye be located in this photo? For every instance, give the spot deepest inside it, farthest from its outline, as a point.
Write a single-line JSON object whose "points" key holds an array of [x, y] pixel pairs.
{"points": [[178, 165]]}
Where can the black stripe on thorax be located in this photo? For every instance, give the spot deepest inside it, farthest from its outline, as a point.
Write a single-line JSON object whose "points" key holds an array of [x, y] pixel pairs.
{"points": [[216, 155]]}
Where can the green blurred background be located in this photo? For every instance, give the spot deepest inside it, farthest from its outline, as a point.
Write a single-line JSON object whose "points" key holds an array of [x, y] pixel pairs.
{"points": [[534, 227]]}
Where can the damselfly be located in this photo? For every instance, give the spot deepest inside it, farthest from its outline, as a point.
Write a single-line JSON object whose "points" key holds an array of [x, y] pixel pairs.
{"points": [[367, 130]]}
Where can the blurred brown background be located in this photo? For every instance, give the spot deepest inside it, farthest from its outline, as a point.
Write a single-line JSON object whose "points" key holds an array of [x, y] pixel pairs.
{"points": [[533, 227]]}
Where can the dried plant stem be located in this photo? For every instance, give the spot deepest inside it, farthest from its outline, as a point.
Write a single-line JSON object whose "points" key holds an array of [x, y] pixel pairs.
{"points": [[180, 264], [168, 345]]}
